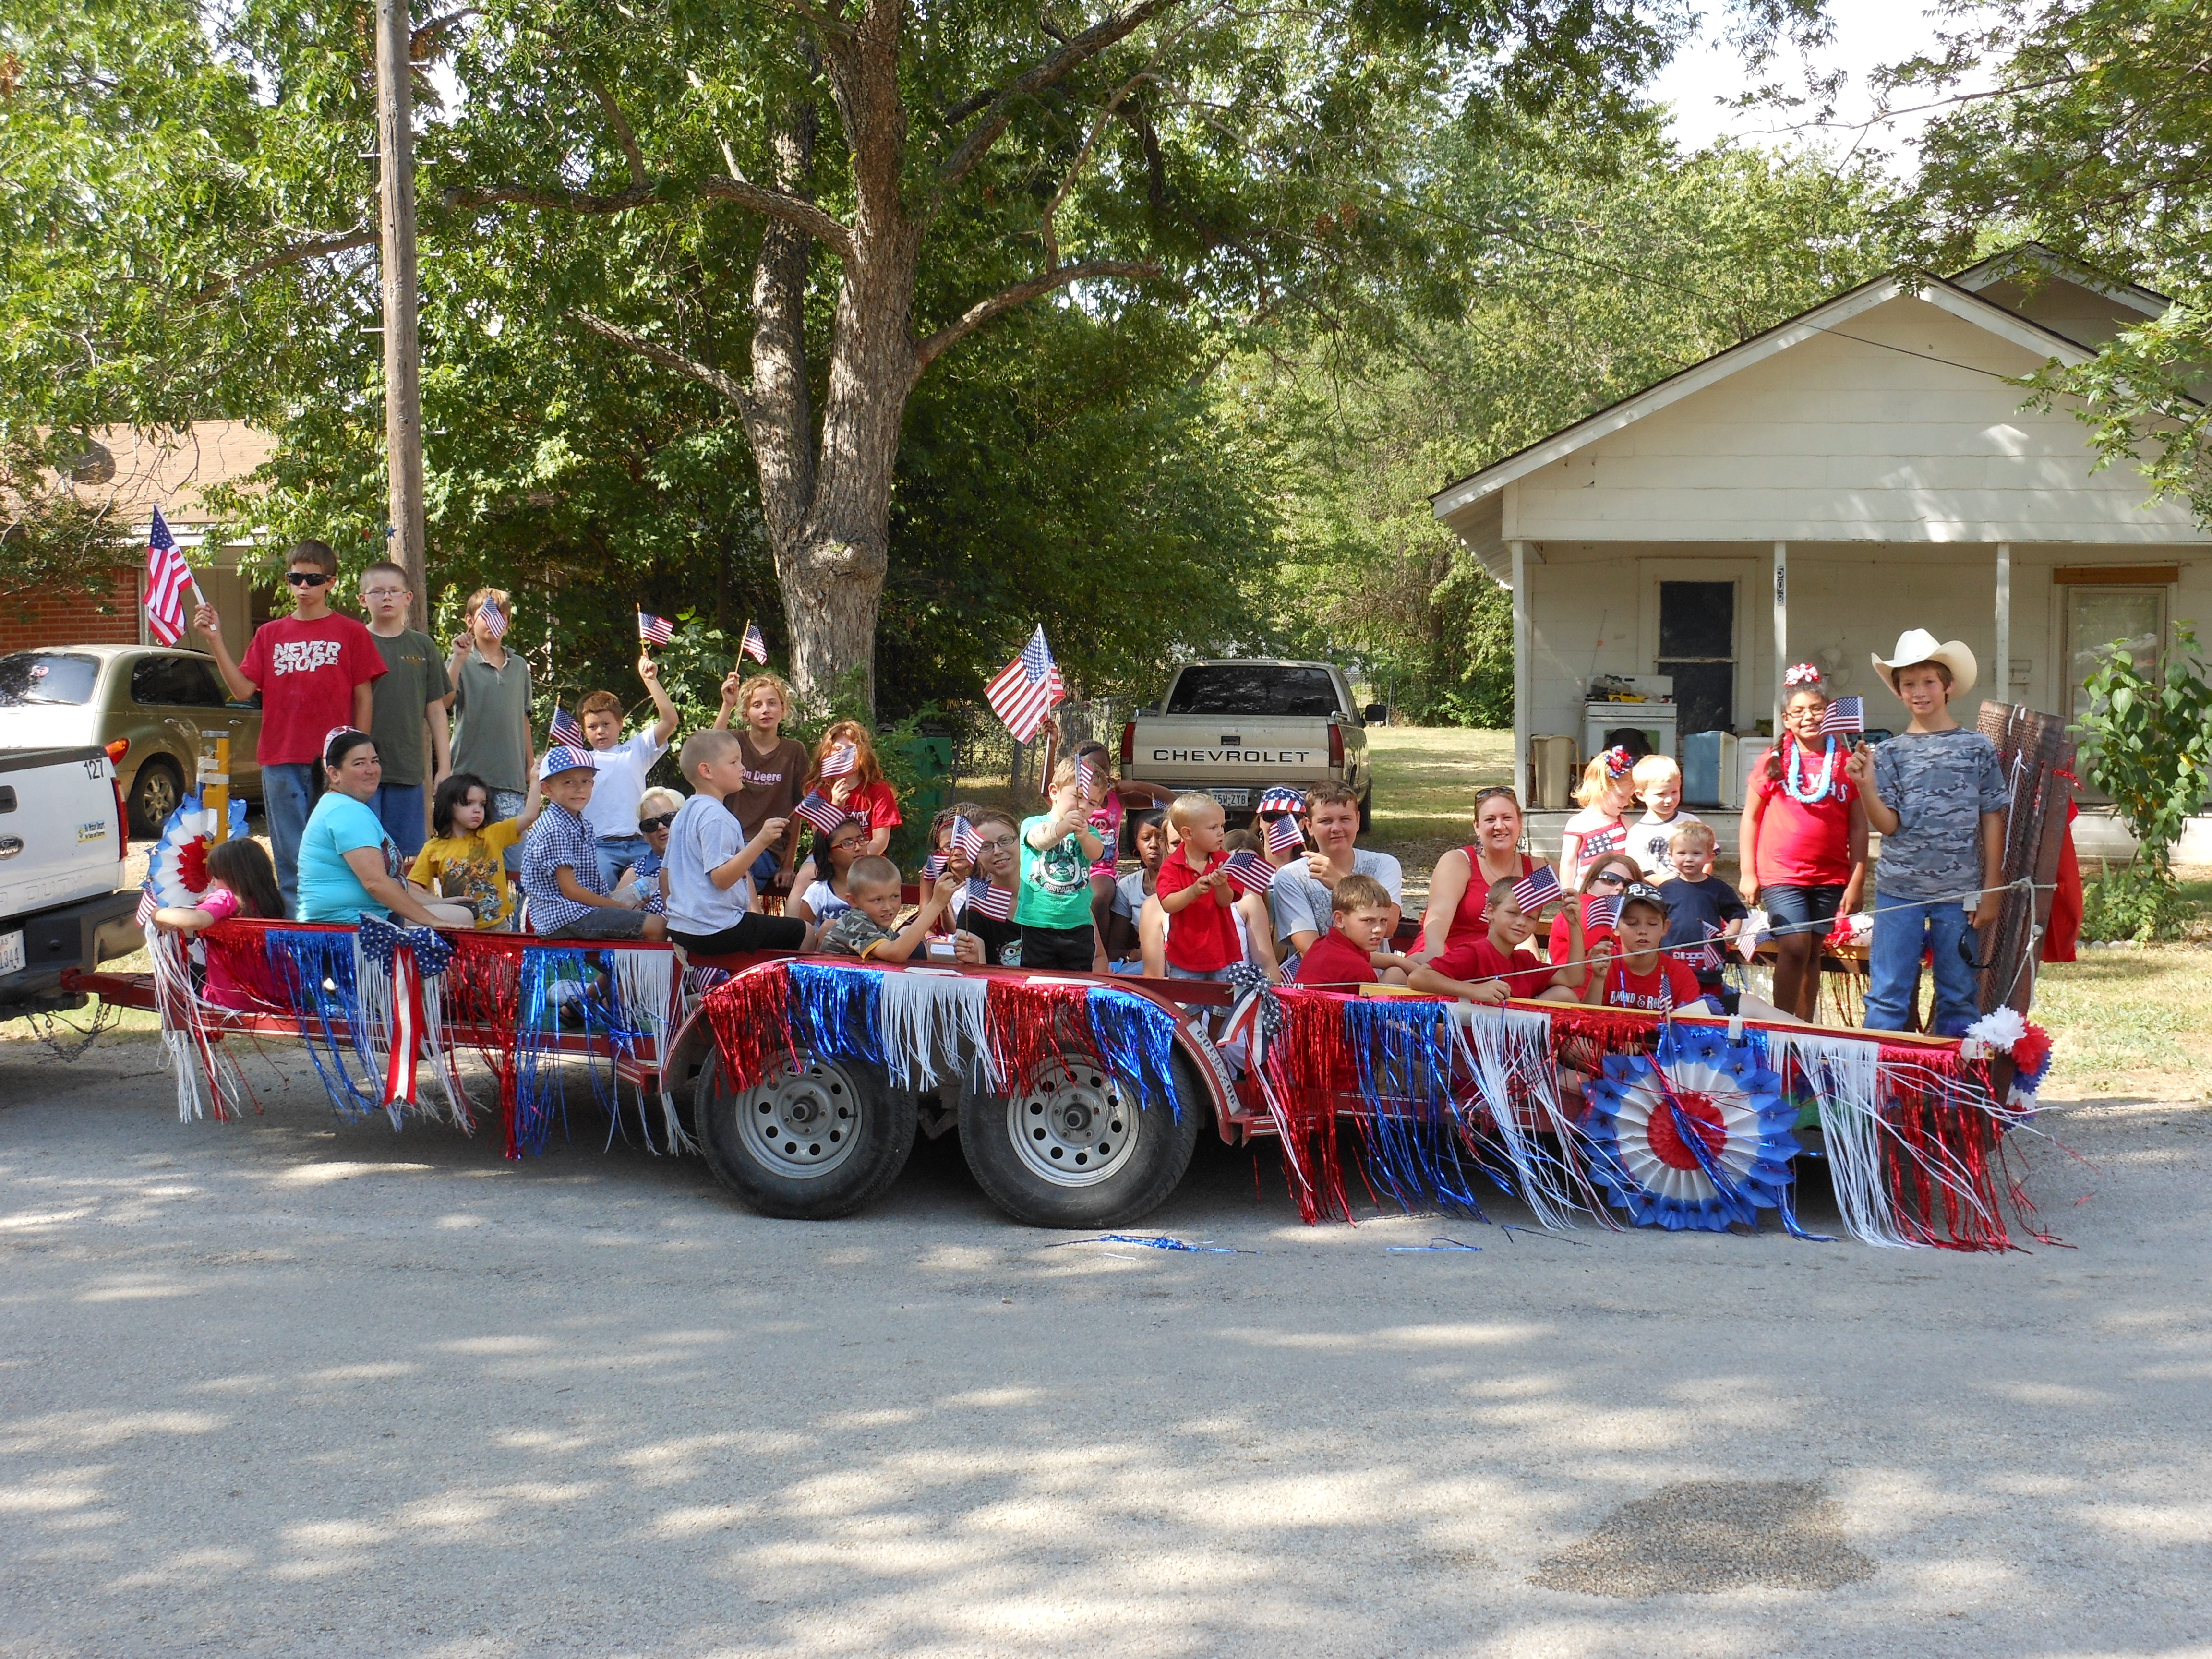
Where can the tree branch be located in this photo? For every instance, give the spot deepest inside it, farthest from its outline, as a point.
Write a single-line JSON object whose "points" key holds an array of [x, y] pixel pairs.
{"points": [[1079, 50], [791, 210], [627, 138], [309, 247], [929, 350], [712, 379]]}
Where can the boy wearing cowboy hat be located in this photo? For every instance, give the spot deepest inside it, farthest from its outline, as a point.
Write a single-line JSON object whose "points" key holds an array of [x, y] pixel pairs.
{"points": [[1936, 793]]}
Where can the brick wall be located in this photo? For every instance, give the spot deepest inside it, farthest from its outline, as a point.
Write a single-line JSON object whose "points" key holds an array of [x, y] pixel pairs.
{"points": [[109, 617]]}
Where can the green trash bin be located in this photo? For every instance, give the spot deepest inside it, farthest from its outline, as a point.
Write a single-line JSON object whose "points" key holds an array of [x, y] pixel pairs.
{"points": [[926, 755]]}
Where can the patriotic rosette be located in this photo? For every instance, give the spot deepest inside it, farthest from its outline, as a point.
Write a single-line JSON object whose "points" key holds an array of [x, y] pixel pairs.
{"points": [[1694, 1136], [176, 869], [400, 1017]]}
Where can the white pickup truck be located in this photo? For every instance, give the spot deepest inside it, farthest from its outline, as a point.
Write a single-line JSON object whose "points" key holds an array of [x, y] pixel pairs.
{"points": [[62, 847], [1229, 728]]}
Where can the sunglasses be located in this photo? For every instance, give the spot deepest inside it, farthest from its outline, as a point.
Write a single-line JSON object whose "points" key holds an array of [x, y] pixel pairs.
{"points": [[305, 578], [1493, 792], [647, 826], [1610, 878]]}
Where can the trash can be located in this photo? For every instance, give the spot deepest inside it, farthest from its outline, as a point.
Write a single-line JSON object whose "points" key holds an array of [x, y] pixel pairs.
{"points": [[1552, 759], [927, 756]]}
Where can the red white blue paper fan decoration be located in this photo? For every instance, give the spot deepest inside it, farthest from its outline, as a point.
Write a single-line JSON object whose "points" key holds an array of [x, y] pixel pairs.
{"points": [[1693, 1136], [176, 869]]}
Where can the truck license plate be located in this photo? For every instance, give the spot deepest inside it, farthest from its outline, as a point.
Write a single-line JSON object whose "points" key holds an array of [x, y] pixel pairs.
{"points": [[11, 953], [1231, 797]]}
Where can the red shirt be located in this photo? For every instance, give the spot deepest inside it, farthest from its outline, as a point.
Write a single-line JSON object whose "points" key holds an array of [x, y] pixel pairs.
{"points": [[1202, 935], [1592, 937], [307, 672], [1668, 986], [1480, 959], [1332, 962], [1467, 922], [1802, 845], [874, 805]]}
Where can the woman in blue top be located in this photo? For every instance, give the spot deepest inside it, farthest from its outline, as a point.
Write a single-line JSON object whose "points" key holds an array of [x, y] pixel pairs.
{"points": [[347, 863]]}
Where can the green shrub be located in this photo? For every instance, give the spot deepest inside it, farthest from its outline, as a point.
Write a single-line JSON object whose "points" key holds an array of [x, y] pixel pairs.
{"points": [[2132, 903]]}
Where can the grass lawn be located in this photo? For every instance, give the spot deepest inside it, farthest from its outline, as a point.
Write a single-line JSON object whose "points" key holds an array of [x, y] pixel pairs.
{"points": [[2129, 1020]]}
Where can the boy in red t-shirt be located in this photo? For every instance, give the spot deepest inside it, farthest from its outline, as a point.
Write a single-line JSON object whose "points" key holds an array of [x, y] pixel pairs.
{"points": [[1486, 969], [1630, 969], [312, 669], [1194, 892], [1362, 915]]}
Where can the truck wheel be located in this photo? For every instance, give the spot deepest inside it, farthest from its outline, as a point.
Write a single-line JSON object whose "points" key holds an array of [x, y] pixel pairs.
{"points": [[1069, 1147], [809, 1142], [1367, 811], [154, 793]]}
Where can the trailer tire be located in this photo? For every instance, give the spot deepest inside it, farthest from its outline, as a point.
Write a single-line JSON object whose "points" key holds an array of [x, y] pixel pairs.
{"points": [[809, 1142], [1068, 1147]]}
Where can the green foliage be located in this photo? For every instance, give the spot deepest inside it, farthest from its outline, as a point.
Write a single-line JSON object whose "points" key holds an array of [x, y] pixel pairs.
{"points": [[2147, 741], [52, 541], [2135, 903]]}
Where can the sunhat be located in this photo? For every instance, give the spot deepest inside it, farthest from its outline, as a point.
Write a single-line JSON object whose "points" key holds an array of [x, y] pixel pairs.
{"points": [[1918, 645]]}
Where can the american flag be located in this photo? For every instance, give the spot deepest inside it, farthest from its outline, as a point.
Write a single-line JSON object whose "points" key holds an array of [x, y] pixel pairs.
{"points": [[817, 810], [654, 630], [1281, 798], [1086, 775], [1706, 958], [167, 576], [147, 905], [838, 761], [1026, 689], [933, 866], [1599, 842], [967, 842], [1539, 888], [492, 618], [1283, 834], [567, 729], [754, 645], [1844, 717], [995, 901], [1249, 872], [1600, 913]]}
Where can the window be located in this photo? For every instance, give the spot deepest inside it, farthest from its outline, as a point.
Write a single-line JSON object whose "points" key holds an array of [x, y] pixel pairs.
{"points": [[1697, 646], [176, 682], [51, 677], [1236, 687], [2099, 616]]}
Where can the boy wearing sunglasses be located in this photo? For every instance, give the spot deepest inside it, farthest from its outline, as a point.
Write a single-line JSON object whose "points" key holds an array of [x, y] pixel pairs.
{"points": [[312, 669]]}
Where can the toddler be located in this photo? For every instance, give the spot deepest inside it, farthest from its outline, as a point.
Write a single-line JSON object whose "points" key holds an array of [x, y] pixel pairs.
{"points": [[1658, 784], [464, 860], [1194, 895], [1700, 900]]}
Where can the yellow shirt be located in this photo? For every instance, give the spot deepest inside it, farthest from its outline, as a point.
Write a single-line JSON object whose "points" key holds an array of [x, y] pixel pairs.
{"points": [[471, 870]]}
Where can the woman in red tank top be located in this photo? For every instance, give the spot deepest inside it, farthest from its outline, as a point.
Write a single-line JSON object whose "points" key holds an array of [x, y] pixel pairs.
{"points": [[1460, 886]]}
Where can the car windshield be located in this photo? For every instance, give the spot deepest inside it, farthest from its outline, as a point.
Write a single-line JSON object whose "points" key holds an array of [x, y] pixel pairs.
{"points": [[1251, 688], [27, 677]]}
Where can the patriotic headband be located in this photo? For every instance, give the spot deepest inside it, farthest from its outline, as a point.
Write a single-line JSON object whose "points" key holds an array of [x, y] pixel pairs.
{"points": [[334, 734], [1618, 762], [1804, 674]]}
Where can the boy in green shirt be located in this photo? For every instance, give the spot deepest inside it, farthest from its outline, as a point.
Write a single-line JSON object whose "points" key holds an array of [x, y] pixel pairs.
{"points": [[1058, 849]]}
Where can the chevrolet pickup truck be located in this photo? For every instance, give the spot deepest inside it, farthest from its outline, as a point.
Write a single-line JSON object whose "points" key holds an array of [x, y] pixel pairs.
{"points": [[62, 847], [1230, 728]]}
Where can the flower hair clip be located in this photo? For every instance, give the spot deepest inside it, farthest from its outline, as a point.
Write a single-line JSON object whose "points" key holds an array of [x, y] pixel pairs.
{"points": [[1618, 762], [1804, 673]]}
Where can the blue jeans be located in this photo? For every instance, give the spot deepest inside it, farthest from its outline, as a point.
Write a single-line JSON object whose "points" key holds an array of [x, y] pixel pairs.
{"points": [[287, 795], [1901, 928], [616, 854], [399, 808]]}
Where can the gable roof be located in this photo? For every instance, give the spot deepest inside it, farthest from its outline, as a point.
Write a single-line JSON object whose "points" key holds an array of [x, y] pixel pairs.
{"points": [[2036, 261], [1832, 317]]}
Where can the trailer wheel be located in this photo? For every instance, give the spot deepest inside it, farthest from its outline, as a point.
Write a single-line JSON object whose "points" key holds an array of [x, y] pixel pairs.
{"points": [[810, 1141], [1070, 1148]]}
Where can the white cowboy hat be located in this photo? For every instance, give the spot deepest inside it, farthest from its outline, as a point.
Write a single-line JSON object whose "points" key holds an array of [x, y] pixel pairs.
{"points": [[1918, 645]]}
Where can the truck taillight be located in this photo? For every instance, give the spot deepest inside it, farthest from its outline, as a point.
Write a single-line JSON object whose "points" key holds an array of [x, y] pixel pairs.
{"points": [[1128, 741], [1335, 745]]}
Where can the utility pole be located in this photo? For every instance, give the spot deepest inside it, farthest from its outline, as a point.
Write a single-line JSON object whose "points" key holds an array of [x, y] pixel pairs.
{"points": [[403, 364]]}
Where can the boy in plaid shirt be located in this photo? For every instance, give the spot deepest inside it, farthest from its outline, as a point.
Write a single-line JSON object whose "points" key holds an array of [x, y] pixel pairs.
{"points": [[561, 862]]}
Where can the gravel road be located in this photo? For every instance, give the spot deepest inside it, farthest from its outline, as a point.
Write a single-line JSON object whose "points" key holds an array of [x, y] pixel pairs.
{"points": [[292, 1386]]}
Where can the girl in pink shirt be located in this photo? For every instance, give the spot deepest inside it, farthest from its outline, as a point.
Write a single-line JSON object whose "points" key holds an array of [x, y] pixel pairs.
{"points": [[241, 882]]}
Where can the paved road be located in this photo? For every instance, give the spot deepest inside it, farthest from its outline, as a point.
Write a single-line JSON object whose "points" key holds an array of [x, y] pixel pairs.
{"points": [[294, 1387]]}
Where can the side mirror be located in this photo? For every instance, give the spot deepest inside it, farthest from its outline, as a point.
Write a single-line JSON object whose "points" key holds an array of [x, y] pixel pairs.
{"points": [[1375, 713]]}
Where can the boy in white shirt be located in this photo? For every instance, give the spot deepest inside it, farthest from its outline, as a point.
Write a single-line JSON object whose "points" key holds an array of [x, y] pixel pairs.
{"points": [[613, 815], [1659, 786]]}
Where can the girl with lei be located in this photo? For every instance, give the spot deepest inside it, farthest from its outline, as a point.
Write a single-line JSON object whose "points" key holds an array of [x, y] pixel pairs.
{"points": [[1804, 840]]}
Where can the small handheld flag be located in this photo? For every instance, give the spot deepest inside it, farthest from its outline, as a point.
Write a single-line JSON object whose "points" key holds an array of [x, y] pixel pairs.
{"points": [[1539, 888], [995, 901], [1600, 912], [654, 630], [567, 729], [755, 644], [167, 576], [1845, 717], [1704, 958], [933, 866], [840, 760], [1281, 798], [1249, 872], [1026, 689], [967, 842], [492, 618], [817, 810], [1283, 834]]}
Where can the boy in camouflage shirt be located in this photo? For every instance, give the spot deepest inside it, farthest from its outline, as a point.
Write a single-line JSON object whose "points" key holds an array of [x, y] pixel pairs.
{"points": [[1937, 794]]}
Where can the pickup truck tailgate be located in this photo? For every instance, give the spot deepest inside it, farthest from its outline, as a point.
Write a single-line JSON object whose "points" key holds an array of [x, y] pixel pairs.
{"points": [[1221, 752], [59, 839]]}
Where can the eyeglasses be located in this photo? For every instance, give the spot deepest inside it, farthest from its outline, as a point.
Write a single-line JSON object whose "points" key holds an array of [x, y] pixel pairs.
{"points": [[1610, 878], [647, 826], [995, 844], [383, 592], [305, 578]]}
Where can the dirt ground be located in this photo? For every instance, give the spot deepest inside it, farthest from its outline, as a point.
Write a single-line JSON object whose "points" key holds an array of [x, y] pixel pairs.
{"points": [[296, 1386]]}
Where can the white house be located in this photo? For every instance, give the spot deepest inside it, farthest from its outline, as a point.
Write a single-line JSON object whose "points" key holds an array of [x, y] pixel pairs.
{"points": [[1863, 468]]}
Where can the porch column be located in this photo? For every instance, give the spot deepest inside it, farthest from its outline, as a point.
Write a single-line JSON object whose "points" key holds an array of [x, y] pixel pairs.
{"points": [[1523, 672], [1781, 626], [2004, 681]]}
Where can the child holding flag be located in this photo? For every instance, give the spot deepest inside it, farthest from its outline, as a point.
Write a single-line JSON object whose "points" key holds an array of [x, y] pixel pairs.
{"points": [[622, 765], [845, 771], [774, 766], [1058, 849], [492, 693]]}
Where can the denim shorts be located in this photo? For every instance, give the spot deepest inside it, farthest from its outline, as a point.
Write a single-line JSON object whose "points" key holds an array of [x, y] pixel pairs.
{"points": [[1798, 909]]}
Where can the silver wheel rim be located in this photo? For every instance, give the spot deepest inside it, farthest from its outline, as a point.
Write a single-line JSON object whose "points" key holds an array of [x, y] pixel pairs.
{"points": [[160, 796], [1073, 1128], [803, 1123]]}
